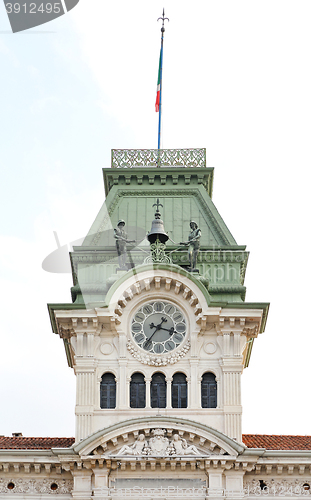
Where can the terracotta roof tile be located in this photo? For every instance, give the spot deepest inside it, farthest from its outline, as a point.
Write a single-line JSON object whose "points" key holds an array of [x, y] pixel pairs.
{"points": [[268, 441], [277, 442], [34, 443]]}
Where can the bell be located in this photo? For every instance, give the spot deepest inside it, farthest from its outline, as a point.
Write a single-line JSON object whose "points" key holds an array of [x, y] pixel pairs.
{"points": [[157, 232], [157, 227]]}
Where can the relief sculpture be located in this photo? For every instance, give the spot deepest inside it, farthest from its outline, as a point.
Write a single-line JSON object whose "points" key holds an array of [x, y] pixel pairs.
{"points": [[159, 445]]}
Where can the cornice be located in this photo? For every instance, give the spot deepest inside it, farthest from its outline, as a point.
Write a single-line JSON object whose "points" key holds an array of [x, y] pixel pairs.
{"points": [[28, 453], [287, 454]]}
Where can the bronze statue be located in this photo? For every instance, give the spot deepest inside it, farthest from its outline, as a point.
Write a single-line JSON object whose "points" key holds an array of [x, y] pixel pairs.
{"points": [[121, 241], [194, 244]]}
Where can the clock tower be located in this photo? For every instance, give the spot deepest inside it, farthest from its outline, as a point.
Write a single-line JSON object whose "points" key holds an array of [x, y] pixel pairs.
{"points": [[158, 332]]}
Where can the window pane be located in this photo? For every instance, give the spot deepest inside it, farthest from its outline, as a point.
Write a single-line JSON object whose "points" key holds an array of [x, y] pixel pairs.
{"points": [[179, 391], [137, 391], [158, 391], [108, 391], [209, 391]]}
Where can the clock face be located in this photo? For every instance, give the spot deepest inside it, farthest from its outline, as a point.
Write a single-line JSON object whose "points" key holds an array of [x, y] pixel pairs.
{"points": [[158, 327]]}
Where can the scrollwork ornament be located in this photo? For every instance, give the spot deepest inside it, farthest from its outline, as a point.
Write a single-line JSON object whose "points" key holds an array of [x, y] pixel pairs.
{"points": [[158, 254], [273, 487], [43, 486]]}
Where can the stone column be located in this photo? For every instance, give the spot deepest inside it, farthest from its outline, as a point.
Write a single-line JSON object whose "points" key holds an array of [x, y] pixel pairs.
{"points": [[148, 381], [169, 392], [127, 391]]}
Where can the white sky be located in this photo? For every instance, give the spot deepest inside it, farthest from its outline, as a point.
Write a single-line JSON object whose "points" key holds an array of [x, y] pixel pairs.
{"points": [[237, 81]]}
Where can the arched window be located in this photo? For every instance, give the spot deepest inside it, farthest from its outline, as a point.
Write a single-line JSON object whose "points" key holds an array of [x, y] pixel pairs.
{"points": [[108, 391], [209, 391], [158, 391], [137, 391], [179, 391]]}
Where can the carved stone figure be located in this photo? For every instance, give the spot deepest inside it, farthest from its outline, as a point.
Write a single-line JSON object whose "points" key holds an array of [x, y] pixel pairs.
{"points": [[159, 446], [136, 448], [121, 241], [181, 446], [193, 244]]}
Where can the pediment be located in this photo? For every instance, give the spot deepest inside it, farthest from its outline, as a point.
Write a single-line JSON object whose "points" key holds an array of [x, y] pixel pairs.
{"points": [[150, 438]]}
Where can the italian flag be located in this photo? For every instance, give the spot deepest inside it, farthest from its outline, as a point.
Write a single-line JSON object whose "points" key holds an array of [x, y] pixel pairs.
{"points": [[157, 103]]}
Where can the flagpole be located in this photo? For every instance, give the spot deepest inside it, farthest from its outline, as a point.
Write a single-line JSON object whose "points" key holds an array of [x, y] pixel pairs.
{"points": [[160, 102], [163, 18]]}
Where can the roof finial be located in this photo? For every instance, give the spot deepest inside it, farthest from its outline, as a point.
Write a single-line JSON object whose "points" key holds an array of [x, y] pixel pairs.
{"points": [[157, 215], [163, 19]]}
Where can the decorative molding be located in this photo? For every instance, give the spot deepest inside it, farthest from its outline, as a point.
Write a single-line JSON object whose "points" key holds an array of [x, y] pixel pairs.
{"points": [[65, 333], [251, 332], [152, 360], [157, 282], [277, 487], [106, 348], [210, 347], [42, 486]]}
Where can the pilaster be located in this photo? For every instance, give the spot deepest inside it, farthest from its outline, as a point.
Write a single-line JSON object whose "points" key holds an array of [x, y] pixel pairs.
{"points": [[234, 484], [82, 489], [122, 385], [215, 484], [194, 385], [101, 478]]}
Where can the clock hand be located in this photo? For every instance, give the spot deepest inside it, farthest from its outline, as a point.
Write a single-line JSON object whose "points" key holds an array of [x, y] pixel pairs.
{"points": [[148, 341], [152, 325], [157, 327], [171, 330]]}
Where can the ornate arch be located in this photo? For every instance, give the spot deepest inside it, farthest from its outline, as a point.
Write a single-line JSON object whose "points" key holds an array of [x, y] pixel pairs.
{"points": [[107, 442]]}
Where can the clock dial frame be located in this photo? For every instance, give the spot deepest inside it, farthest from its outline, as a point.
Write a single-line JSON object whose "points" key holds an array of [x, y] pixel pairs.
{"points": [[158, 327]]}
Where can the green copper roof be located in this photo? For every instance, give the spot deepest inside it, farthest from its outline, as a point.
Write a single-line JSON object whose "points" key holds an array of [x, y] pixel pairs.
{"points": [[184, 193], [183, 184]]}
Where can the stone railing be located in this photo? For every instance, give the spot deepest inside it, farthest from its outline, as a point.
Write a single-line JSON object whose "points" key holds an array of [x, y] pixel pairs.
{"points": [[129, 158]]}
